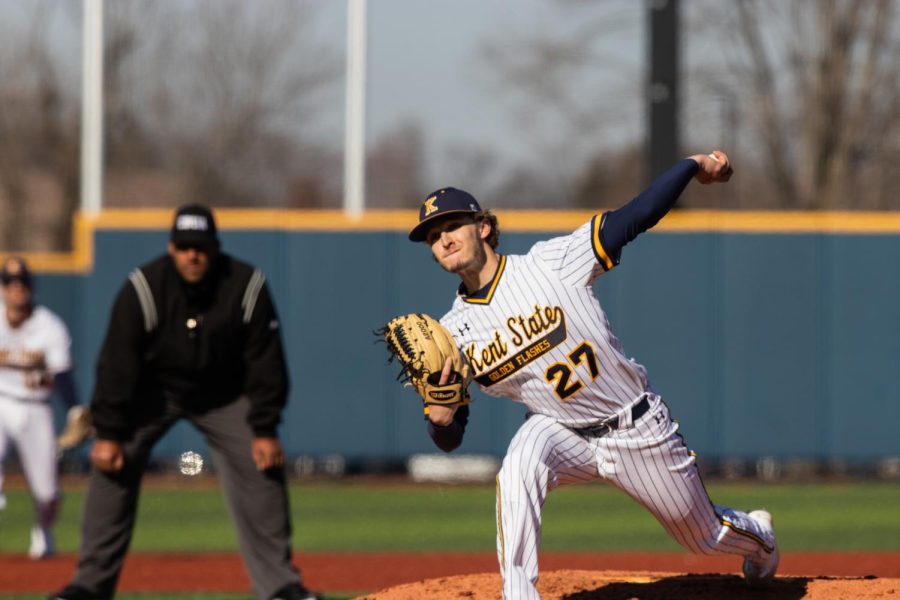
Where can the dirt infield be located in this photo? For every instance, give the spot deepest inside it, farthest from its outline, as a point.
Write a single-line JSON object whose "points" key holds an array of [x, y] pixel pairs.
{"points": [[609, 585], [580, 576]]}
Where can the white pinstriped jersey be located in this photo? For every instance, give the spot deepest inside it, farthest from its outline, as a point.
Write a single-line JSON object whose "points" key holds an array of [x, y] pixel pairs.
{"points": [[29, 353], [537, 334]]}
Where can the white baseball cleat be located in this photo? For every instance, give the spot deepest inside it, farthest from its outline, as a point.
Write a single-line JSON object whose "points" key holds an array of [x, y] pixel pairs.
{"points": [[760, 568], [41, 543]]}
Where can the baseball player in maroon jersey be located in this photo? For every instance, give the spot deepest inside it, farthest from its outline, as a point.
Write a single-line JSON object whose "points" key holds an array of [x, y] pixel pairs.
{"points": [[532, 330]]}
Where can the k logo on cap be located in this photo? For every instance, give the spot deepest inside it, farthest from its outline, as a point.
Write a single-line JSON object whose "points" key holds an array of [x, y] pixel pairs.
{"points": [[444, 201]]}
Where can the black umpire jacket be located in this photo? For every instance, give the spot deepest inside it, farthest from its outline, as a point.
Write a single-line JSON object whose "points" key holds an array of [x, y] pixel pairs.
{"points": [[201, 345]]}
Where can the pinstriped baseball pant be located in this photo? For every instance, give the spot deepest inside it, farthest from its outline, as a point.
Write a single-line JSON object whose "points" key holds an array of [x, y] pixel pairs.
{"points": [[648, 461]]}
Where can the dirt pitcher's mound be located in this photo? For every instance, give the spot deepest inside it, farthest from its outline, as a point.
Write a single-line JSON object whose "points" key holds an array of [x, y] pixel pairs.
{"points": [[611, 585]]}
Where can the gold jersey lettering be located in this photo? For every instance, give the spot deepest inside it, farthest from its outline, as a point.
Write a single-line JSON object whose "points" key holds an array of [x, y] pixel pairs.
{"points": [[22, 358], [536, 350], [502, 371], [493, 352], [527, 328]]}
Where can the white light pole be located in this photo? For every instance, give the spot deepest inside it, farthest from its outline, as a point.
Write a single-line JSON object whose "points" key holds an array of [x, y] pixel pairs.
{"points": [[355, 119], [92, 108]]}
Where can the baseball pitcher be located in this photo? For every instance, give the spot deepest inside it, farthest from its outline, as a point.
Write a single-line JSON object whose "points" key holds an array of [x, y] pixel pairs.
{"points": [[531, 329]]}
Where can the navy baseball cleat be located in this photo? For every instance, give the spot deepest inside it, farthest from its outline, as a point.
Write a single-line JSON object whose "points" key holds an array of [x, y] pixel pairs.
{"points": [[295, 591], [760, 568]]}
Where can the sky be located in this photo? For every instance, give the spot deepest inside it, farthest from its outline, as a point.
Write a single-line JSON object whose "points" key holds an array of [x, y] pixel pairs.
{"points": [[422, 61], [425, 64]]}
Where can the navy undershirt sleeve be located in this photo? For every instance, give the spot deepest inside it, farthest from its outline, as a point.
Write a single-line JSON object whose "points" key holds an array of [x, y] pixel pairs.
{"points": [[622, 225], [65, 389], [449, 438]]}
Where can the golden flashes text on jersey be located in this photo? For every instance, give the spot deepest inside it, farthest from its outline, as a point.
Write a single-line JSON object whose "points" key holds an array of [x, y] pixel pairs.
{"points": [[522, 329]]}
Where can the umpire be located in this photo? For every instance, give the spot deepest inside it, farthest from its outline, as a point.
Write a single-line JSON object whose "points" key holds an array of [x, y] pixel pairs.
{"points": [[192, 335]]}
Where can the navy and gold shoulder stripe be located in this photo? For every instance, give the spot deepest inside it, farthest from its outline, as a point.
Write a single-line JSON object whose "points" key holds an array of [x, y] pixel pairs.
{"points": [[597, 242], [484, 295]]}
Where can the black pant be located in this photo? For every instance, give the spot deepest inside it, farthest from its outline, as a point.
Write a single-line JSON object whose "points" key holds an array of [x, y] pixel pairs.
{"points": [[257, 502]]}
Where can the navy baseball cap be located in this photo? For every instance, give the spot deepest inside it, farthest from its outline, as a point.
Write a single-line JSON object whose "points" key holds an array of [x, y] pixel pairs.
{"points": [[194, 226], [444, 201], [15, 269]]}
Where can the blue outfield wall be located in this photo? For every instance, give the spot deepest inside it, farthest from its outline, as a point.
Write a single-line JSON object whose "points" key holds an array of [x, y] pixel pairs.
{"points": [[762, 344]]}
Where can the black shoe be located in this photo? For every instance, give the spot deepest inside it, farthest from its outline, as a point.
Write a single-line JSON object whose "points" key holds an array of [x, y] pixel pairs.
{"points": [[295, 591], [73, 592]]}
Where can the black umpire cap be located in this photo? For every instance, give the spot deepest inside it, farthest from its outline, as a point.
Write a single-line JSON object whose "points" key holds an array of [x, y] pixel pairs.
{"points": [[442, 202], [16, 269], [194, 227]]}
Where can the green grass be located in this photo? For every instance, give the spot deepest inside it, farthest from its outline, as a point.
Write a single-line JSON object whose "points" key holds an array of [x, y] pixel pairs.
{"points": [[842, 517], [809, 517], [352, 516], [355, 516]]}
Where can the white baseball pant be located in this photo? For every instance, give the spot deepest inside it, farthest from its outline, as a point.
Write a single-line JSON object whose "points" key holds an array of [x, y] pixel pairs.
{"points": [[29, 425], [647, 460]]}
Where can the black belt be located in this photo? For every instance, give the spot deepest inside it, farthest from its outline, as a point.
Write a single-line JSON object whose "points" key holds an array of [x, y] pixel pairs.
{"points": [[601, 429]]}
